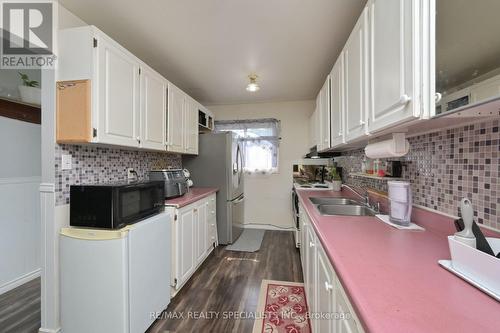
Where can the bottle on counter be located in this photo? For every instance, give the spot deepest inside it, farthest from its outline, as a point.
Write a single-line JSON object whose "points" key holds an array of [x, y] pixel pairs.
{"points": [[369, 167]]}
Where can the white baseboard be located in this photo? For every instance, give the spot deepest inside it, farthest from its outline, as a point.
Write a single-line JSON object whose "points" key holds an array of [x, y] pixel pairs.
{"points": [[266, 227], [19, 281]]}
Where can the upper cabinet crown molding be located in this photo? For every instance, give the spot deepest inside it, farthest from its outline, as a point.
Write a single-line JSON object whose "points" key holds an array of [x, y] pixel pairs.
{"points": [[124, 103]]}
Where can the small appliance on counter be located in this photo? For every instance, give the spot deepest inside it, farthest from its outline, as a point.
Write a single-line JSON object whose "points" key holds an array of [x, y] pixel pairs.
{"points": [[174, 181], [393, 169], [400, 200], [189, 181], [115, 205]]}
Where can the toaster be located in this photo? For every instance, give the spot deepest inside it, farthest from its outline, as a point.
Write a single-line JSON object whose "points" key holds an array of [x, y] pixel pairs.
{"points": [[175, 182]]}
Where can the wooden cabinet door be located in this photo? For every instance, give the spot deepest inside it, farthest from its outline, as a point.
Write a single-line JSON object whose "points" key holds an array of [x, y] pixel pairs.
{"points": [[153, 110], [325, 291], [337, 103], [191, 126], [394, 62], [355, 63], [118, 100], [175, 119], [185, 245]]}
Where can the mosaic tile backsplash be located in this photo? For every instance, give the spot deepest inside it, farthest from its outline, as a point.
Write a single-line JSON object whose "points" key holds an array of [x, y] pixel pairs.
{"points": [[99, 165], [446, 166]]}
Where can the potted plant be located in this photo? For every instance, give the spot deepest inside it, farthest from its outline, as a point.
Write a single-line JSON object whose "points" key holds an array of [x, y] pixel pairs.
{"points": [[336, 180], [29, 90]]}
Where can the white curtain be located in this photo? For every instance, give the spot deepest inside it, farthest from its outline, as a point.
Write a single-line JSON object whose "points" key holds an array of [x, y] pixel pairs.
{"points": [[259, 140]]}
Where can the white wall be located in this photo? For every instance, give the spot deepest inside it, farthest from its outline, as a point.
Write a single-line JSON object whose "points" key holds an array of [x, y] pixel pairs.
{"points": [[52, 220], [20, 174], [268, 197]]}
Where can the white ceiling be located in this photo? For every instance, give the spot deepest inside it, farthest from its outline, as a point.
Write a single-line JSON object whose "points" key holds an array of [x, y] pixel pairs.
{"points": [[209, 47]]}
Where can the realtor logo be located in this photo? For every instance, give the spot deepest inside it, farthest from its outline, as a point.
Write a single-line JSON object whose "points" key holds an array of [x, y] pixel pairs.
{"points": [[27, 34]]}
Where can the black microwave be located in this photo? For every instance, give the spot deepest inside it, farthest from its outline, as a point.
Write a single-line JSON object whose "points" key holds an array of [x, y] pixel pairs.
{"points": [[113, 206]]}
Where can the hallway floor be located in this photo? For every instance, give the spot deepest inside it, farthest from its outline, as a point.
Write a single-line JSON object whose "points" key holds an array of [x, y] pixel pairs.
{"points": [[20, 309], [229, 282]]}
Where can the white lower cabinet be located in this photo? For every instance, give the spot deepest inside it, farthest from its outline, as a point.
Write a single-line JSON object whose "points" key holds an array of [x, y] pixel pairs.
{"points": [[193, 239], [328, 303], [184, 232], [325, 293]]}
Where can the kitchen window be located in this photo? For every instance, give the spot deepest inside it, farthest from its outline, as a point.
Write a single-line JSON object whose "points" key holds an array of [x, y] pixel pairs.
{"points": [[259, 139]]}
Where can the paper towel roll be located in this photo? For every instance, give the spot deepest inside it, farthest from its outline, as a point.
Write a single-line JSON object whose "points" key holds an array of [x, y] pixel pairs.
{"points": [[387, 149]]}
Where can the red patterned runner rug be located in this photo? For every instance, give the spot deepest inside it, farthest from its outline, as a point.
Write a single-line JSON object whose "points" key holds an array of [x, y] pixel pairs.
{"points": [[282, 308]]}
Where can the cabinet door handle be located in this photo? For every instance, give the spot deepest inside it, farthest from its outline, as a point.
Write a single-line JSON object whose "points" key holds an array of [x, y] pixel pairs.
{"points": [[311, 244], [361, 122], [328, 286], [340, 133]]}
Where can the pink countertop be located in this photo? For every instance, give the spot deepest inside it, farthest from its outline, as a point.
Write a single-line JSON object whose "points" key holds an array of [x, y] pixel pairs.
{"points": [[194, 194], [393, 278]]}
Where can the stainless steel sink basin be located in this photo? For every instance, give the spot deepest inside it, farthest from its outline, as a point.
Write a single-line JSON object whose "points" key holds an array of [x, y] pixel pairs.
{"points": [[333, 201], [347, 210]]}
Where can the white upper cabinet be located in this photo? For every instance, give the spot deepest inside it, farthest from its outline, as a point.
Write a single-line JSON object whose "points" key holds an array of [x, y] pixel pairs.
{"points": [[323, 108], [182, 120], [191, 126], [337, 103], [153, 109], [355, 83], [106, 95], [400, 62], [175, 131], [118, 96], [313, 132]]}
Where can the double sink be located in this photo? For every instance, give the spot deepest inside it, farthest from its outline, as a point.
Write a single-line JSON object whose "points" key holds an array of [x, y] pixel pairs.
{"points": [[341, 206]]}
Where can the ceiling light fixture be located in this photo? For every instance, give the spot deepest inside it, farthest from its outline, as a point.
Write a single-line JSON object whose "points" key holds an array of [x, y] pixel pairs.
{"points": [[253, 86]]}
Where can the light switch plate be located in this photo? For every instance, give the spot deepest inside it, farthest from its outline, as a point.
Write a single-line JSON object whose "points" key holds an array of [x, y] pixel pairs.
{"points": [[66, 162]]}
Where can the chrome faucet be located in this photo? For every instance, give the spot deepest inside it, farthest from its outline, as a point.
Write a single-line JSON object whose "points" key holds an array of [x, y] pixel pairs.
{"points": [[364, 196]]}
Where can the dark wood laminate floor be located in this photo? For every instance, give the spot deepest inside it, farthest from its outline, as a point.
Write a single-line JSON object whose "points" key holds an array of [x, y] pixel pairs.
{"points": [[230, 281], [20, 309]]}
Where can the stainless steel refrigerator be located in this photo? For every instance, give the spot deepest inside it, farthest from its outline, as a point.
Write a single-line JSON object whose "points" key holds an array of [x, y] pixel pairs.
{"points": [[220, 164]]}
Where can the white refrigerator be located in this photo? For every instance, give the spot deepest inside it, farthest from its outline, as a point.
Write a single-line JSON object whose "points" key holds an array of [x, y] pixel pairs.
{"points": [[115, 280]]}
